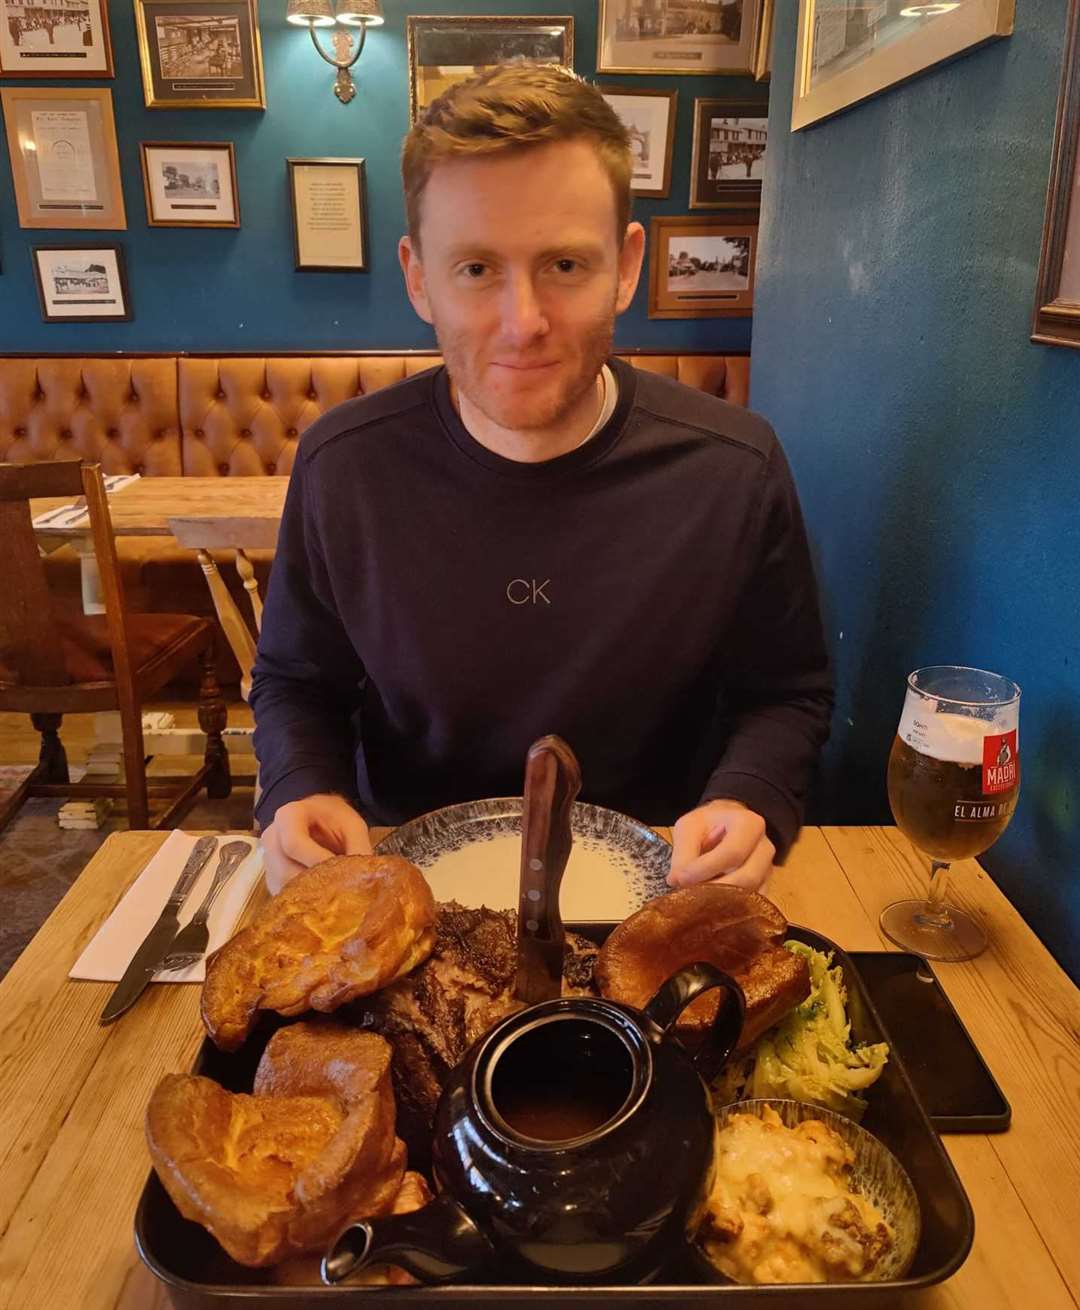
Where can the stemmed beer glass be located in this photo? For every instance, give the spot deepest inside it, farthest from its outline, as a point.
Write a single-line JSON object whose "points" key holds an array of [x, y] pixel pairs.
{"points": [[954, 776]]}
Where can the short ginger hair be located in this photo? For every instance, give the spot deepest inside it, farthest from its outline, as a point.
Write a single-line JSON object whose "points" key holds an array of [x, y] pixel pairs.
{"points": [[514, 107]]}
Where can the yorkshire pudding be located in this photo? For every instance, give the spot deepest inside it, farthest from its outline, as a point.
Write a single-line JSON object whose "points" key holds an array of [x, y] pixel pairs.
{"points": [[738, 931], [340, 930], [278, 1173]]}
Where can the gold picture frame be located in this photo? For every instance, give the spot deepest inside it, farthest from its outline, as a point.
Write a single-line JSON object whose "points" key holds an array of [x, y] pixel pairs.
{"points": [[763, 55], [190, 183], [702, 267], [849, 53], [1057, 289], [64, 160], [200, 54], [32, 45], [456, 47], [663, 37]]}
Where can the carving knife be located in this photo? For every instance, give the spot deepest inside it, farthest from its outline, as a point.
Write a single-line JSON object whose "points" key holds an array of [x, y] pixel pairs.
{"points": [[157, 941], [552, 781]]}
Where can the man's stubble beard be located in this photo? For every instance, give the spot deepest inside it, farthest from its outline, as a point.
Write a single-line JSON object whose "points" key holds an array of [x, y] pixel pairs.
{"points": [[593, 351]]}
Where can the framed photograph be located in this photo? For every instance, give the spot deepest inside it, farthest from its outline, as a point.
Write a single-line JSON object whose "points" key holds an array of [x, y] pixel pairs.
{"points": [[328, 208], [65, 38], [87, 283], [200, 54], [1057, 289], [728, 160], [678, 36], [702, 267], [190, 183], [649, 117], [445, 49], [849, 50], [62, 143]]}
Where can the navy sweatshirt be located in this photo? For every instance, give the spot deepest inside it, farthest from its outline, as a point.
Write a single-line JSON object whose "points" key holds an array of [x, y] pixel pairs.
{"points": [[434, 608]]}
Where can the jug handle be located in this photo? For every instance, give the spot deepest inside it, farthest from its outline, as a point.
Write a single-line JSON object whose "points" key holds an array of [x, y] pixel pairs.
{"points": [[691, 981]]}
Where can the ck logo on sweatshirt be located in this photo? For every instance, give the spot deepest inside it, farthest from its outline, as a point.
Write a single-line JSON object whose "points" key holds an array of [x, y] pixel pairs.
{"points": [[527, 591]]}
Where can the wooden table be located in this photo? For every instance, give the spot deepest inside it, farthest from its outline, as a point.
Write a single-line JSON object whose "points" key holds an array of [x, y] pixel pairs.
{"points": [[203, 514], [72, 1094]]}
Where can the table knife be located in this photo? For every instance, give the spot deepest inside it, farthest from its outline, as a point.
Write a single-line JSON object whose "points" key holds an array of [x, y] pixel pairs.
{"points": [[552, 781], [156, 944]]}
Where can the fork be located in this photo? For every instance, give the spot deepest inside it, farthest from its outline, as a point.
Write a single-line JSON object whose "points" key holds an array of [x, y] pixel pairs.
{"points": [[191, 941], [61, 510]]}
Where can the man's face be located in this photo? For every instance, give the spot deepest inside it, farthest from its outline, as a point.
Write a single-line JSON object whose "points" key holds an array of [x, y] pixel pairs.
{"points": [[522, 277]]}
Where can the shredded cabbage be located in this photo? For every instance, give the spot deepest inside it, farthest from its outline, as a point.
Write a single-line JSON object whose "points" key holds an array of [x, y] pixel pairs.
{"points": [[808, 1056]]}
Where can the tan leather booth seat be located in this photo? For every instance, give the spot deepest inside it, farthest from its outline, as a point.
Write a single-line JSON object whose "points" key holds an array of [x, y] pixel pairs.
{"points": [[122, 412], [216, 416]]}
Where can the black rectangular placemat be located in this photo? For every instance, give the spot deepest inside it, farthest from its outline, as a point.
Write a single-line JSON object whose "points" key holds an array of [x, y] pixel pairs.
{"points": [[956, 1088]]}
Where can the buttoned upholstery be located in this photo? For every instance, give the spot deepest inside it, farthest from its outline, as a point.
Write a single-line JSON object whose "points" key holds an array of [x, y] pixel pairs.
{"points": [[207, 416], [244, 416], [121, 413]]}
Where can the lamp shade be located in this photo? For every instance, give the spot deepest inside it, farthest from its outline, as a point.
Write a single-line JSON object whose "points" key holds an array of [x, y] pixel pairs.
{"points": [[310, 13], [354, 13]]}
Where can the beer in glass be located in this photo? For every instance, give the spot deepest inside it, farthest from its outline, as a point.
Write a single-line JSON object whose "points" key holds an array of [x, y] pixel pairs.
{"points": [[954, 776]]}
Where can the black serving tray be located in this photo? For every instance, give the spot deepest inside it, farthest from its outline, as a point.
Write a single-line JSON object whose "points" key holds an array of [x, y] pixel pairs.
{"points": [[199, 1276]]}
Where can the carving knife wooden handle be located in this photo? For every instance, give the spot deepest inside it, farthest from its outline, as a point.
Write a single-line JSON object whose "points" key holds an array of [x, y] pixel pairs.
{"points": [[552, 781]]}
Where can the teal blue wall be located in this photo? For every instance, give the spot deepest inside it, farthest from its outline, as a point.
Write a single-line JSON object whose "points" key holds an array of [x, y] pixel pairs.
{"points": [[237, 290], [937, 450]]}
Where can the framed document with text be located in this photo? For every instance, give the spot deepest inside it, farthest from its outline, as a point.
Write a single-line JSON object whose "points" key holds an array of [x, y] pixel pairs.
{"points": [[62, 143], [328, 205]]}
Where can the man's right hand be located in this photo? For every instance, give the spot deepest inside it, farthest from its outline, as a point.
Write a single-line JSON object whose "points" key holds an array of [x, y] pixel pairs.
{"points": [[309, 831]]}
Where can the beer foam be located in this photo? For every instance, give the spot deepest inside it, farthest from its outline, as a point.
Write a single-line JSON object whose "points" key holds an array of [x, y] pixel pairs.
{"points": [[951, 738]]}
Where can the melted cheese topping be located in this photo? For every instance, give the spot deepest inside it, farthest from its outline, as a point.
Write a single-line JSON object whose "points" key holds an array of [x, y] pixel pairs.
{"points": [[782, 1210]]}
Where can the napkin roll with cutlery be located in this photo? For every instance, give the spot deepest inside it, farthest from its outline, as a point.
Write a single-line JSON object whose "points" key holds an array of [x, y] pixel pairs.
{"points": [[110, 952], [71, 516]]}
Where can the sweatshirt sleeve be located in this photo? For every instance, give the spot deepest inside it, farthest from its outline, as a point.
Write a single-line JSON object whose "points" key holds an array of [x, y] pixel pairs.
{"points": [[778, 686], [307, 679]]}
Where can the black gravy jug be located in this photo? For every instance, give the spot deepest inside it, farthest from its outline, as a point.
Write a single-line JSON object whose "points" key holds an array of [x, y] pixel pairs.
{"points": [[573, 1144]]}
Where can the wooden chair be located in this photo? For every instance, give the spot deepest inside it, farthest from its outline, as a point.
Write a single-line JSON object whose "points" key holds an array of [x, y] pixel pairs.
{"points": [[54, 663]]}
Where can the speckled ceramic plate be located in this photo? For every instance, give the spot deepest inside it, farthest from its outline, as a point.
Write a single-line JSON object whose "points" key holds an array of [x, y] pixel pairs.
{"points": [[471, 853], [876, 1174]]}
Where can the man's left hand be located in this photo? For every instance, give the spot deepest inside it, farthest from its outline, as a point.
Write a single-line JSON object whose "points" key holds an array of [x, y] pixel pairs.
{"points": [[721, 840]]}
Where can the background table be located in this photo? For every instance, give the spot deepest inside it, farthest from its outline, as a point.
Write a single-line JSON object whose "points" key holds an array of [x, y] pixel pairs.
{"points": [[203, 514], [72, 1094]]}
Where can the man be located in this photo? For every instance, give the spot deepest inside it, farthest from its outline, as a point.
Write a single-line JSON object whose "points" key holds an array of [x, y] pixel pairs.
{"points": [[536, 538]]}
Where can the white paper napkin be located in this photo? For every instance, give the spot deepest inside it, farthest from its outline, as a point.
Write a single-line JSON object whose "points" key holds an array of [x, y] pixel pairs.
{"points": [[120, 936], [68, 516]]}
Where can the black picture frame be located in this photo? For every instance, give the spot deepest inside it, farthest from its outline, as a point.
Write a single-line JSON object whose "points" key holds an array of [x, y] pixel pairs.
{"points": [[302, 265], [715, 192], [87, 250]]}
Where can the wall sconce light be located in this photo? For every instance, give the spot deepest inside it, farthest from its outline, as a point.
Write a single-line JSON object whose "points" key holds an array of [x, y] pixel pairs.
{"points": [[340, 15]]}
